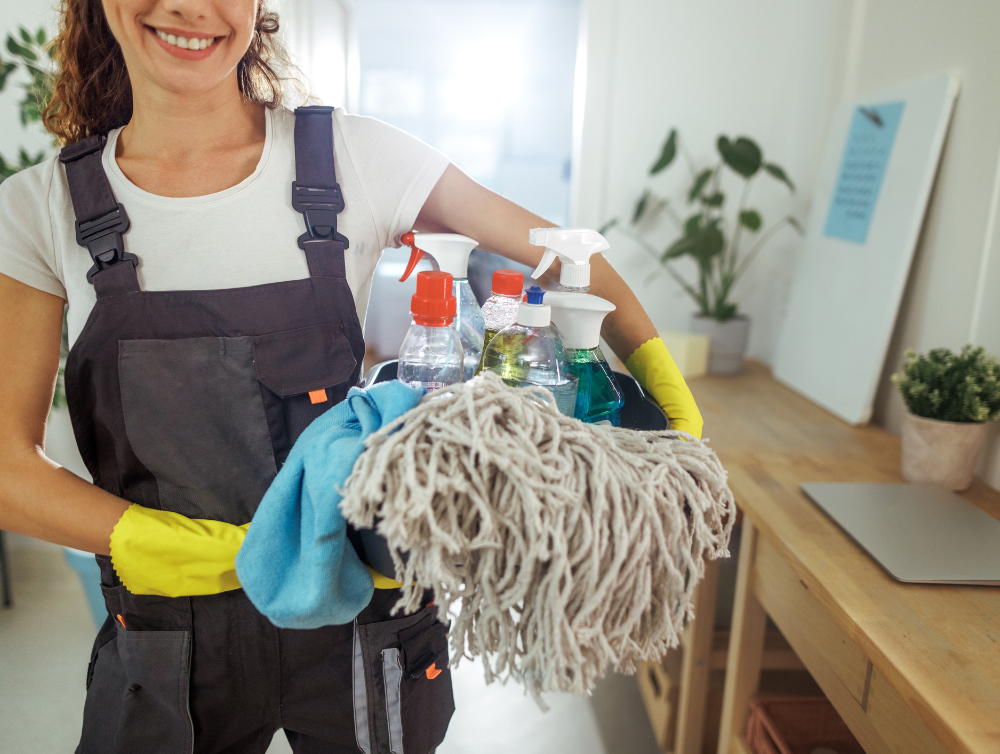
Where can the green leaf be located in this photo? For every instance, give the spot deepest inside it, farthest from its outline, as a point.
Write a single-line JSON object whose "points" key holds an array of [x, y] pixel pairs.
{"points": [[20, 50], [742, 155], [751, 219], [5, 70], [680, 247], [780, 174], [26, 36], [692, 226], [640, 206], [715, 200], [667, 154], [796, 224], [699, 184], [608, 226], [710, 243], [40, 35]]}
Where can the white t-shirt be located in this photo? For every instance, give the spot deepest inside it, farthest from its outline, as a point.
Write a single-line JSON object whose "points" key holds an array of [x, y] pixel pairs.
{"points": [[245, 235]]}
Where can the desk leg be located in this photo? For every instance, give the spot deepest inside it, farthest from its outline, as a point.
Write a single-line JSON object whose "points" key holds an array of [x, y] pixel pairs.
{"points": [[696, 665], [746, 647]]}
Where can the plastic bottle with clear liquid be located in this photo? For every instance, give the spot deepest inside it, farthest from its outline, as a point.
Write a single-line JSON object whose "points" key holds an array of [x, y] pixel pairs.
{"points": [[500, 309], [530, 352], [574, 247], [431, 355], [451, 253], [579, 316]]}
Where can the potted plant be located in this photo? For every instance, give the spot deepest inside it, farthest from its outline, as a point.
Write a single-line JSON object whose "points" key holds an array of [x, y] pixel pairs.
{"points": [[949, 400], [705, 237]]}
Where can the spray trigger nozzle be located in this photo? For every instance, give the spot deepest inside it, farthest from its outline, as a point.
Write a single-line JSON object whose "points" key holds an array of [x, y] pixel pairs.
{"points": [[574, 245], [407, 239]]}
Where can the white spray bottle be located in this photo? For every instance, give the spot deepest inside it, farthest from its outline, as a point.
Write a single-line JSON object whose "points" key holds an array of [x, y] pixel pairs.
{"points": [[574, 246], [451, 252], [579, 316]]}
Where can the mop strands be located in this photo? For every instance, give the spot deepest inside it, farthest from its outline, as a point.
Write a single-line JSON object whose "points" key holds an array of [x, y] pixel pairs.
{"points": [[564, 547]]}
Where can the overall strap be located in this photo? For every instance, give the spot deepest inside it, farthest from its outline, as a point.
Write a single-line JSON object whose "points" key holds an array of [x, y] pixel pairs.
{"points": [[100, 219], [316, 193]]}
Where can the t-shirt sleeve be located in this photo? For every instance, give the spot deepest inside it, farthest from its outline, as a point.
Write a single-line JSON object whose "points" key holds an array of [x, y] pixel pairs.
{"points": [[27, 249], [397, 172]]}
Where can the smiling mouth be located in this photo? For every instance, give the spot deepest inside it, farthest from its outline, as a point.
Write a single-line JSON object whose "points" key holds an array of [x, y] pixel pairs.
{"points": [[186, 43]]}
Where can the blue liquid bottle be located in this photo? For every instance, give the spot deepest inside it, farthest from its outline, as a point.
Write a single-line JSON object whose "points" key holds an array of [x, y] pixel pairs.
{"points": [[579, 316]]}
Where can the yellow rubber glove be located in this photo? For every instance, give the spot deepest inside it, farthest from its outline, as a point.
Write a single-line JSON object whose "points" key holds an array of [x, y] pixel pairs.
{"points": [[170, 555], [382, 582], [654, 369]]}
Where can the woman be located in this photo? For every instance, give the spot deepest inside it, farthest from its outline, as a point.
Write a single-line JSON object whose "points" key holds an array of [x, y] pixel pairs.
{"points": [[231, 250]]}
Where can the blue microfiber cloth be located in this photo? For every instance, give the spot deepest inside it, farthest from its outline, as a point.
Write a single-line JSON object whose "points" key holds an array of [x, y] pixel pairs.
{"points": [[296, 564]]}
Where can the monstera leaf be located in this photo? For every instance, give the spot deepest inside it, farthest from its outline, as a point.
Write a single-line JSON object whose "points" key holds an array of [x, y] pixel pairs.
{"points": [[742, 155], [667, 154], [779, 173]]}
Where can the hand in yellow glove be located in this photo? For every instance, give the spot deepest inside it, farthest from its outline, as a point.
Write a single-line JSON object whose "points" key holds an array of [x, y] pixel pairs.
{"points": [[654, 369], [167, 554]]}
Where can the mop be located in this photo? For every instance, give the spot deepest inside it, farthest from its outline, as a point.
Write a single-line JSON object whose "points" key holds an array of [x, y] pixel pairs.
{"points": [[557, 549]]}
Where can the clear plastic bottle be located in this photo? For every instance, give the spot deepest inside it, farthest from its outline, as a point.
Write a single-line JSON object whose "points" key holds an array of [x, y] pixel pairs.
{"points": [[451, 252], [500, 309], [599, 398], [431, 354], [530, 352]]}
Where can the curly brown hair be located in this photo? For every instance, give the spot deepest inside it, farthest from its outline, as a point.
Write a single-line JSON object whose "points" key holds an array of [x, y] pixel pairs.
{"points": [[92, 93]]}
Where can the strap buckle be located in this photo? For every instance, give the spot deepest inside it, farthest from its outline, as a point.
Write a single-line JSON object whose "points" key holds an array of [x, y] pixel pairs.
{"points": [[319, 207], [103, 239]]}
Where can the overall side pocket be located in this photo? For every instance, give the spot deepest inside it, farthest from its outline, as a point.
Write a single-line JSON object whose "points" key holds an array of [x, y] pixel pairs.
{"points": [[402, 684]]}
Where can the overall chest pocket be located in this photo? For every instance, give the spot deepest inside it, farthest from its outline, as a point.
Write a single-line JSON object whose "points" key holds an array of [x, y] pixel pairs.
{"points": [[212, 418]]}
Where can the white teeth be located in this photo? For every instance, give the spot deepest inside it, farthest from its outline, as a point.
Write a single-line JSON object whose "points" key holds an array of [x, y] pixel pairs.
{"points": [[184, 43]]}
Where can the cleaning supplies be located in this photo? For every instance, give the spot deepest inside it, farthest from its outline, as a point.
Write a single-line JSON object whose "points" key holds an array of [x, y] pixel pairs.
{"points": [[573, 246], [556, 549], [500, 309], [579, 316], [451, 252], [431, 355], [530, 352]]}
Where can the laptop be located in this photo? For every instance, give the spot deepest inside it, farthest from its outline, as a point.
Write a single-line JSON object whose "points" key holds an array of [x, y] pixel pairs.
{"points": [[918, 533]]}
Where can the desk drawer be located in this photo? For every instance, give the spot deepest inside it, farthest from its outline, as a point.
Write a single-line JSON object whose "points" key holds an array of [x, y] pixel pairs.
{"points": [[876, 714]]}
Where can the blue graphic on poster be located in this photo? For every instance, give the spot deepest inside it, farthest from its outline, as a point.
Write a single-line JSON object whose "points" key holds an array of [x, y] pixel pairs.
{"points": [[862, 168]]}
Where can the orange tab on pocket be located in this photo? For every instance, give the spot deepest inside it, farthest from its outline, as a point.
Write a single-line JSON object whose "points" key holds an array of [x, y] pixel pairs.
{"points": [[318, 396], [433, 671]]}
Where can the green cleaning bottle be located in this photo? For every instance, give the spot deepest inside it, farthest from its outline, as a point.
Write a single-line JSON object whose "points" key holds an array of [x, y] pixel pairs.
{"points": [[579, 316], [530, 352]]}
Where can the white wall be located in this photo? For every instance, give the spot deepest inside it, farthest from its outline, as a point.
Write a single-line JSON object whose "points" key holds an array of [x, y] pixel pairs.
{"points": [[770, 69], [321, 37]]}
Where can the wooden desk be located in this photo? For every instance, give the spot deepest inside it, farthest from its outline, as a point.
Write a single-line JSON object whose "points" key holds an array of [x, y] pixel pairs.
{"points": [[910, 668]]}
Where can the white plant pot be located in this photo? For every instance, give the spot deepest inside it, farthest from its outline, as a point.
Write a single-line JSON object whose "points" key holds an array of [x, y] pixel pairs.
{"points": [[941, 453], [727, 341]]}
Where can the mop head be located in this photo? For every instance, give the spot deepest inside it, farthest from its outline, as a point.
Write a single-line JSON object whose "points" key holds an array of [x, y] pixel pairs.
{"points": [[557, 549]]}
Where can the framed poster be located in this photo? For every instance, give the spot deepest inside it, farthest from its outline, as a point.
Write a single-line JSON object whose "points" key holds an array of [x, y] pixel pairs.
{"points": [[868, 206]]}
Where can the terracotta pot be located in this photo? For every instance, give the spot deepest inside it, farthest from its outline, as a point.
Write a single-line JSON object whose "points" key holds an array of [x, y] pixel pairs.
{"points": [[941, 453], [728, 341]]}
